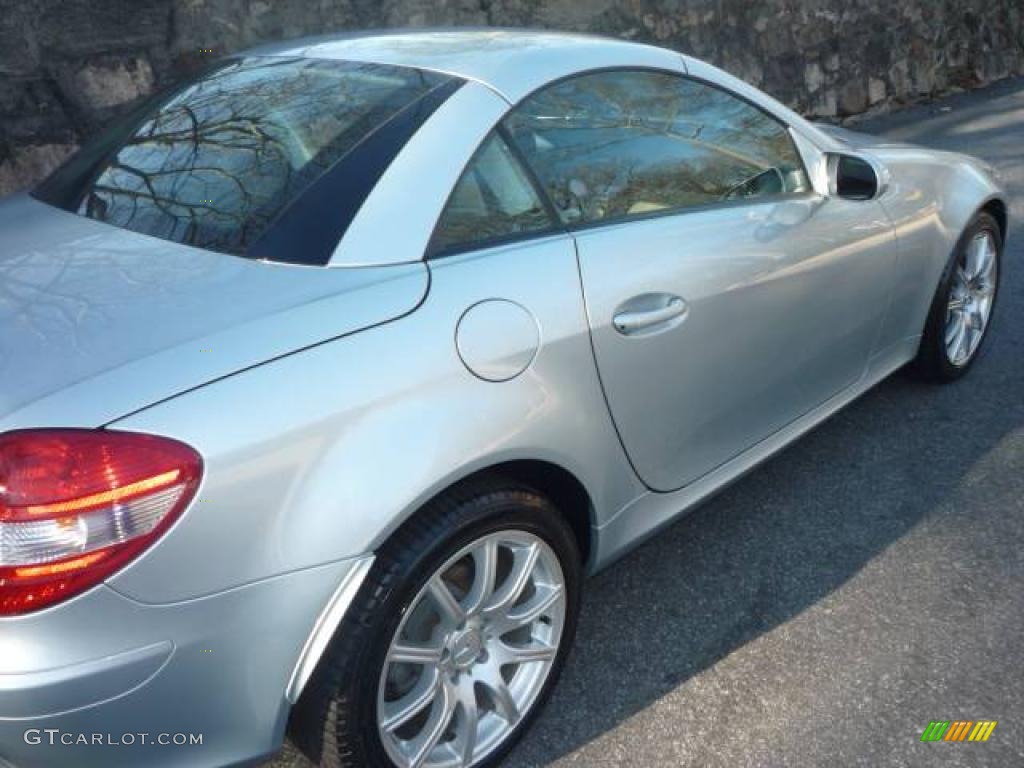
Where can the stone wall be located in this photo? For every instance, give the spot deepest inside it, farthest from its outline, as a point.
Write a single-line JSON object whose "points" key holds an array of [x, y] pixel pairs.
{"points": [[67, 65]]}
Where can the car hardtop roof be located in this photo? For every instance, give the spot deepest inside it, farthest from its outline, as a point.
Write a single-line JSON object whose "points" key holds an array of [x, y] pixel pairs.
{"points": [[511, 62]]}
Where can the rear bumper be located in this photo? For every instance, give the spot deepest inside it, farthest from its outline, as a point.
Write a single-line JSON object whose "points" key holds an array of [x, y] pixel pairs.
{"points": [[106, 681]]}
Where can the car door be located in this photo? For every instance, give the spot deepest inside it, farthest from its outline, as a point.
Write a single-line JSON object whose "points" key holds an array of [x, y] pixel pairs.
{"points": [[726, 297]]}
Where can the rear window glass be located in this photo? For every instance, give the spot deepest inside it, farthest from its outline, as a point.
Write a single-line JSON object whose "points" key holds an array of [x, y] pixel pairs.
{"points": [[216, 163]]}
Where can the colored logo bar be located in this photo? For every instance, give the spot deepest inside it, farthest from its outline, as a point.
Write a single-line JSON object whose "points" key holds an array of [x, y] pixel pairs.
{"points": [[958, 730]]}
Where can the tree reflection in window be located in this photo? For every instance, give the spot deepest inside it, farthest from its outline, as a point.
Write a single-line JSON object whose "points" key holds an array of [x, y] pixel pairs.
{"points": [[214, 163], [494, 200], [627, 143]]}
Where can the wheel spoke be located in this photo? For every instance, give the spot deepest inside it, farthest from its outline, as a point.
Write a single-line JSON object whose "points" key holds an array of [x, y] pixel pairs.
{"points": [[444, 708], [988, 257], [513, 654], [963, 279], [963, 343], [954, 328], [527, 614], [987, 260], [974, 256], [504, 703], [486, 571], [446, 602], [398, 713], [515, 583], [470, 722], [414, 654]]}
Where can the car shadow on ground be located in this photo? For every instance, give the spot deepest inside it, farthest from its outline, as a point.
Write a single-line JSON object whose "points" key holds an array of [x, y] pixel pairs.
{"points": [[779, 541]]}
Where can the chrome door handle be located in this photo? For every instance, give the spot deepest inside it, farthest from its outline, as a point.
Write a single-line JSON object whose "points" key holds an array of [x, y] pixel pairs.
{"points": [[631, 321]]}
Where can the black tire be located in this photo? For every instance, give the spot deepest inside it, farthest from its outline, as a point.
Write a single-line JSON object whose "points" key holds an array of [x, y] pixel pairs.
{"points": [[932, 362], [335, 721]]}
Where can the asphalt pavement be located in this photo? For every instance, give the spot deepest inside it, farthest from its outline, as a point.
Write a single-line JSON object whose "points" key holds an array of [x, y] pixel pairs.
{"points": [[865, 581]]}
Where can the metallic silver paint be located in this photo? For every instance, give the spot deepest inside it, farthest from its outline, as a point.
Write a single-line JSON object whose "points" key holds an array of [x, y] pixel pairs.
{"points": [[283, 475], [51, 692], [425, 171], [932, 197], [651, 511], [226, 678], [650, 313], [785, 301], [98, 321], [497, 339], [511, 62], [319, 441]]}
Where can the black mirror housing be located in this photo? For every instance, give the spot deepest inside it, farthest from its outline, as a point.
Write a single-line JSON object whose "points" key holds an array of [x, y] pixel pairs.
{"points": [[854, 178]]}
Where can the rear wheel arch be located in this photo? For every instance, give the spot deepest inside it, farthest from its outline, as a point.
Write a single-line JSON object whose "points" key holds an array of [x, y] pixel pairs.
{"points": [[329, 706], [568, 494], [565, 490]]}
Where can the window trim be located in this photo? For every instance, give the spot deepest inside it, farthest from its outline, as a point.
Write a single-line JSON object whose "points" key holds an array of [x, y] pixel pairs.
{"points": [[555, 226], [718, 204], [531, 174], [723, 205], [326, 208], [559, 227]]}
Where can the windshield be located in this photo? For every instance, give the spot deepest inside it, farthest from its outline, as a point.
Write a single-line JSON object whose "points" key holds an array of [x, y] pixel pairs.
{"points": [[218, 162]]}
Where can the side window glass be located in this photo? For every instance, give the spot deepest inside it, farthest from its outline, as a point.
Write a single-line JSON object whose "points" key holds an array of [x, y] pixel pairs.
{"points": [[493, 200], [613, 145]]}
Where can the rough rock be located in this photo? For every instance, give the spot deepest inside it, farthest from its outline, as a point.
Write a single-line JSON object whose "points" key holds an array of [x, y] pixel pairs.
{"points": [[68, 66]]}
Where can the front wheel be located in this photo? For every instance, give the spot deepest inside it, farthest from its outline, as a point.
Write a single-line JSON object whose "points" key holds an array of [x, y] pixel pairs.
{"points": [[455, 639], [961, 311]]}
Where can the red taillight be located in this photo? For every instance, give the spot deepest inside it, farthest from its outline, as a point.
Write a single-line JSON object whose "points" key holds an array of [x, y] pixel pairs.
{"points": [[77, 505]]}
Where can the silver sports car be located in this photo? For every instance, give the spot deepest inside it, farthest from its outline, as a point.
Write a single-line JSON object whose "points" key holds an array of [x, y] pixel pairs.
{"points": [[329, 374]]}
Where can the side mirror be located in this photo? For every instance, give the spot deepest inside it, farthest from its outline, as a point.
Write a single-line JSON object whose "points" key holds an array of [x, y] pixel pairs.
{"points": [[853, 177]]}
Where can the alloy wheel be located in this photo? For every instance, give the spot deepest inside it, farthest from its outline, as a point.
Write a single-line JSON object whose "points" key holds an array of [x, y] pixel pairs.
{"points": [[970, 300], [472, 652]]}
